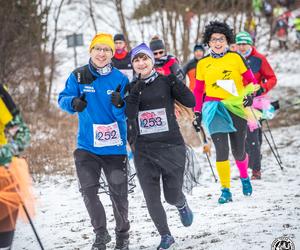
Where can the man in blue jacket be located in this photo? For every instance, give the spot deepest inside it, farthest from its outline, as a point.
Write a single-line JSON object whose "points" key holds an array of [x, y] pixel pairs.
{"points": [[95, 92]]}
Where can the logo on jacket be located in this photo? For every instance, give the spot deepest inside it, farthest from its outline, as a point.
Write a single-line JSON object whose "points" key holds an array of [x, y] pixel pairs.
{"points": [[89, 89]]}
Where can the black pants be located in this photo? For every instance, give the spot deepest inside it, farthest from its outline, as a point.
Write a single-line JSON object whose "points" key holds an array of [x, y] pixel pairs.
{"points": [[88, 167], [253, 146], [237, 141], [152, 163], [6, 239]]}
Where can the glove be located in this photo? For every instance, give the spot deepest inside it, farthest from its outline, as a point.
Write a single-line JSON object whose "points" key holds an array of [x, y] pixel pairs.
{"points": [[79, 103], [173, 80], [248, 100], [116, 98], [6, 154], [138, 86], [197, 121]]}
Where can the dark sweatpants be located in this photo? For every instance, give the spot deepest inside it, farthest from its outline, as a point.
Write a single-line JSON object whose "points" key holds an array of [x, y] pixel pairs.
{"points": [[88, 167], [6, 239], [253, 145], [152, 163], [237, 141]]}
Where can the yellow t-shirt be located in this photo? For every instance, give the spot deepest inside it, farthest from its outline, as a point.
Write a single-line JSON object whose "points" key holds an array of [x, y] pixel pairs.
{"points": [[5, 118], [229, 67]]}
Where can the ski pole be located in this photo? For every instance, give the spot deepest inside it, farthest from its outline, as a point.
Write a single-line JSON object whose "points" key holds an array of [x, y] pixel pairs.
{"points": [[26, 212], [273, 141], [202, 132], [265, 136]]}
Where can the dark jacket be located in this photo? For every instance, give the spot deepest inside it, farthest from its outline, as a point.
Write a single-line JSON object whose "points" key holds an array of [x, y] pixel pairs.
{"points": [[159, 94]]}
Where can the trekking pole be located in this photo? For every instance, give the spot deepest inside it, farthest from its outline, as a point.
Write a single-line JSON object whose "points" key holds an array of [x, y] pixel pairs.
{"points": [[201, 135], [273, 141], [258, 124], [26, 212]]}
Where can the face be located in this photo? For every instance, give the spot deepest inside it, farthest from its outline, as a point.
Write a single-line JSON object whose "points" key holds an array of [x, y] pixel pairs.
{"points": [[233, 47], [120, 44], [198, 54], [218, 43], [243, 48], [158, 53], [142, 65], [101, 55]]}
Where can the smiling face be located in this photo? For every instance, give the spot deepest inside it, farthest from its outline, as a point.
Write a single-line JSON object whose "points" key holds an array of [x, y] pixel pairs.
{"points": [[101, 55], [142, 64], [218, 43]]}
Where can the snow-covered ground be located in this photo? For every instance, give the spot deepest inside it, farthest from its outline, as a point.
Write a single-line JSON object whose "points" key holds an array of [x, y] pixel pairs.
{"points": [[247, 223]]}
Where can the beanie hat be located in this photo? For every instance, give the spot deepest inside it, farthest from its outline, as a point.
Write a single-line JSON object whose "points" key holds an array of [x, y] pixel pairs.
{"points": [[119, 37], [103, 38], [156, 44], [243, 37], [199, 46], [142, 49]]}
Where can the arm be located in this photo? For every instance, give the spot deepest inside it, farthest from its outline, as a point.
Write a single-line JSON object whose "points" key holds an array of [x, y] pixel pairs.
{"points": [[181, 92], [199, 92], [133, 100], [268, 75], [249, 77], [119, 113], [176, 70], [70, 91]]}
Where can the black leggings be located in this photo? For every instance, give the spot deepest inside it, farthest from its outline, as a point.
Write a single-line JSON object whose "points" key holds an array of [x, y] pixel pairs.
{"points": [[237, 140], [6, 239]]}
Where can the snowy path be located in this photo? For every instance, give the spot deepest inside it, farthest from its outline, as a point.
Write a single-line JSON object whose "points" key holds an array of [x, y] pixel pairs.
{"points": [[247, 223]]}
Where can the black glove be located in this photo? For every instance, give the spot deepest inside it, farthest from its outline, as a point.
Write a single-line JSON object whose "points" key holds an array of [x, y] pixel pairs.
{"points": [[79, 103], [248, 100], [116, 98], [197, 121], [138, 87], [276, 105], [173, 80]]}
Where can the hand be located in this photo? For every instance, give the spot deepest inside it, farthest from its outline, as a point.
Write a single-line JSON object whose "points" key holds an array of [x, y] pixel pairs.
{"points": [[116, 98], [248, 100], [139, 86], [197, 121], [5, 155], [79, 103], [172, 80]]}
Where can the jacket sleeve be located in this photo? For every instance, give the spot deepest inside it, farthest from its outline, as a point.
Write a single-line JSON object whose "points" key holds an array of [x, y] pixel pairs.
{"points": [[119, 113], [183, 94], [268, 75], [199, 92], [176, 70], [132, 102], [70, 91]]}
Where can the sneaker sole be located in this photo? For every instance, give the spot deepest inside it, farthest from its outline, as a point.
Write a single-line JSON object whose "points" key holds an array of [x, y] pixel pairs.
{"points": [[174, 246]]}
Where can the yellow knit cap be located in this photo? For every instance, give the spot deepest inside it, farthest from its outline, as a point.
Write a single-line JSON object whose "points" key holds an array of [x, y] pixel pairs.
{"points": [[103, 38]]}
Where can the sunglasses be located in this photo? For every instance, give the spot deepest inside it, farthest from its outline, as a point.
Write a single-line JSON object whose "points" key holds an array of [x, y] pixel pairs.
{"points": [[158, 53]]}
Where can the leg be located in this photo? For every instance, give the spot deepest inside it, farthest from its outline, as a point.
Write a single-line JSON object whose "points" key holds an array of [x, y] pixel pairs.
{"points": [[115, 169], [172, 164], [149, 178], [6, 239], [237, 140], [220, 141], [88, 172], [253, 144]]}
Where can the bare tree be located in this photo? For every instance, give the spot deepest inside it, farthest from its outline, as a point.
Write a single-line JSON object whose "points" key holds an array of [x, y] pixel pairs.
{"points": [[92, 16], [123, 24], [53, 47]]}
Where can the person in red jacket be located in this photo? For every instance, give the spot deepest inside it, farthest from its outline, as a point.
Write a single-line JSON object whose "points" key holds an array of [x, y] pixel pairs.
{"points": [[266, 77], [165, 64]]}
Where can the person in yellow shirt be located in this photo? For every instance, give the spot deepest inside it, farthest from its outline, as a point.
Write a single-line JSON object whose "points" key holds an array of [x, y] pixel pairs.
{"points": [[14, 176], [220, 75]]}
